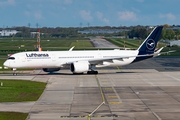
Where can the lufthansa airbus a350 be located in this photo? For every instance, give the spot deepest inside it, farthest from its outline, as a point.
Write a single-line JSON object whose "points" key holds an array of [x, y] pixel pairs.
{"points": [[85, 61]]}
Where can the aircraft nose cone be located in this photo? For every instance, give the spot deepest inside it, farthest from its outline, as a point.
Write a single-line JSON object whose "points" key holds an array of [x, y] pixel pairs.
{"points": [[6, 64]]}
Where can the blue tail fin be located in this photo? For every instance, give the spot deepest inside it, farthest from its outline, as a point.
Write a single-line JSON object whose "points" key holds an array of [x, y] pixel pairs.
{"points": [[149, 44]]}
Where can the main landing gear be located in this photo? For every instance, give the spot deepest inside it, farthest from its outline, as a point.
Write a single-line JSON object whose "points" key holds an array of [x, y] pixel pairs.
{"points": [[92, 72]]}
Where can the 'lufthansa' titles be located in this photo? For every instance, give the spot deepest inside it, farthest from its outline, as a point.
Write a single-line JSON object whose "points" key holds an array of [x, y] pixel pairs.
{"points": [[37, 55]]}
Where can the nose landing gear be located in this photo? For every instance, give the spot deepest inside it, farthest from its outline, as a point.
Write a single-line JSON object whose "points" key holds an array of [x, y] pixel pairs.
{"points": [[14, 71]]}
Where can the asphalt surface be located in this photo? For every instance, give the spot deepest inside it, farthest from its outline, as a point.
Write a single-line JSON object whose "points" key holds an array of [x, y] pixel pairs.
{"points": [[159, 63], [133, 92], [102, 43]]}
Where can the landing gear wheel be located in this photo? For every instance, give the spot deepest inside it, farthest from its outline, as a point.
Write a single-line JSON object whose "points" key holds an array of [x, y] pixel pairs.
{"points": [[15, 74], [78, 73], [14, 71], [92, 72]]}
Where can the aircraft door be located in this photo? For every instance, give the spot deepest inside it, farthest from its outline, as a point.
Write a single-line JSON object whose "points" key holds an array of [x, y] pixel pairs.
{"points": [[99, 55], [53, 57], [23, 58]]}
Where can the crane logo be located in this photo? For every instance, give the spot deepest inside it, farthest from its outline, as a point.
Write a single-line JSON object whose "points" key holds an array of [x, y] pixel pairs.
{"points": [[150, 44]]}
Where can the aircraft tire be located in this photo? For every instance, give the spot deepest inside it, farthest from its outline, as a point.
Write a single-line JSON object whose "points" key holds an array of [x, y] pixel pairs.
{"points": [[92, 72], [14, 74], [78, 73]]}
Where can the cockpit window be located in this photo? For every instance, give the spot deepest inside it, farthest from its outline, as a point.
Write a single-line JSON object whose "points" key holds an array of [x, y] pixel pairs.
{"points": [[11, 58]]}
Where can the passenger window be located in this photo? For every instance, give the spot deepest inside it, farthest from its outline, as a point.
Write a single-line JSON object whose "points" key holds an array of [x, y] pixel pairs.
{"points": [[11, 58]]}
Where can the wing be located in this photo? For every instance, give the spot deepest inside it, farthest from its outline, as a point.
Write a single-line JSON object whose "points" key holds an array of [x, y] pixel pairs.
{"points": [[107, 59]]}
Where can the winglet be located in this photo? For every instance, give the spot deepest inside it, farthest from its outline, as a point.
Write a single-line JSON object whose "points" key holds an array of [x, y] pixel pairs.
{"points": [[71, 48]]}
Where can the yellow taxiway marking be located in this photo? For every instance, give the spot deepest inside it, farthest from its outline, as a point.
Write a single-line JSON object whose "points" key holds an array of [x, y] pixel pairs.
{"points": [[108, 89], [112, 97], [114, 103], [101, 91]]}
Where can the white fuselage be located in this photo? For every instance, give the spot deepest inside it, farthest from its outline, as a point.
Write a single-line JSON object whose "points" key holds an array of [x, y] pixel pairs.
{"points": [[55, 59]]}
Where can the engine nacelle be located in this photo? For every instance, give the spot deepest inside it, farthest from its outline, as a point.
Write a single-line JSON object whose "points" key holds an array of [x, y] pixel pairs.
{"points": [[51, 69], [79, 67]]}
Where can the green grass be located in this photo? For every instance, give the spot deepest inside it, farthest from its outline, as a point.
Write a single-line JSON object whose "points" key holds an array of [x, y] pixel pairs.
{"points": [[176, 53], [20, 90], [125, 42], [2, 60], [13, 116], [81, 44], [18, 45], [134, 44]]}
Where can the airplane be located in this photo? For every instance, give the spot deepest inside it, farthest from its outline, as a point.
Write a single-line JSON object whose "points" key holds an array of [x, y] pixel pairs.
{"points": [[85, 61]]}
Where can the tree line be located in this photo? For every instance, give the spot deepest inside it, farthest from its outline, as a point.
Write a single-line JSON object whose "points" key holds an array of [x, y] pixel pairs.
{"points": [[138, 32]]}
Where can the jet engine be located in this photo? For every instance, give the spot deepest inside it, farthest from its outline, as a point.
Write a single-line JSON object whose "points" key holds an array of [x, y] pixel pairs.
{"points": [[51, 69], [79, 67]]}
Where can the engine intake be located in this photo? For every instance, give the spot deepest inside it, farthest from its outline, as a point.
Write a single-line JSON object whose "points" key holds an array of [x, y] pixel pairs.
{"points": [[79, 67]]}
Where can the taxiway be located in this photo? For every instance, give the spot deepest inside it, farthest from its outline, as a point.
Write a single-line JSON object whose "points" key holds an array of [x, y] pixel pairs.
{"points": [[128, 93]]}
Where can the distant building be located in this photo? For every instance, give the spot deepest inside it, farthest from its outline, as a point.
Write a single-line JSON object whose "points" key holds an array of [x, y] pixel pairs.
{"points": [[100, 31], [174, 42], [7, 33], [174, 28], [34, 34]]}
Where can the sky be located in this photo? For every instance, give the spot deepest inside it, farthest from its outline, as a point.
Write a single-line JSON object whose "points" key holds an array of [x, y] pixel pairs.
{"points": [[83, 13]]}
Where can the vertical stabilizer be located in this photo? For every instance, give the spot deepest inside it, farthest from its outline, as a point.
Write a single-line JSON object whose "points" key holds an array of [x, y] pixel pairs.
{"points": [[149, 44]]}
